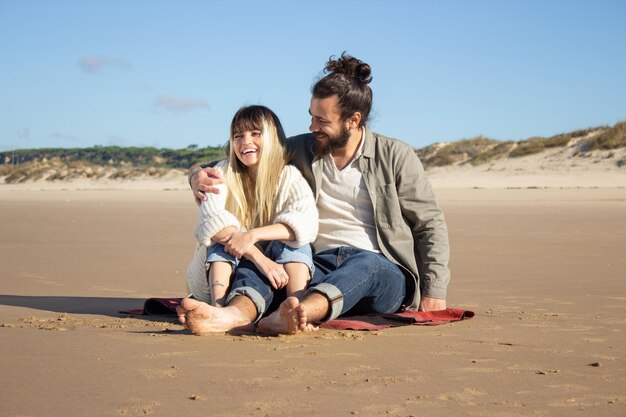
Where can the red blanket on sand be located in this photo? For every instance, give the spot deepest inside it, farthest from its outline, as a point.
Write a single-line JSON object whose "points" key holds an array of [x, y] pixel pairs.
{"points": [[167, 307]]}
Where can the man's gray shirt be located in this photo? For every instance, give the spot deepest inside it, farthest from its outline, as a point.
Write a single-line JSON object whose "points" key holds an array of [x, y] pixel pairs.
{"points": [[411, 228]]}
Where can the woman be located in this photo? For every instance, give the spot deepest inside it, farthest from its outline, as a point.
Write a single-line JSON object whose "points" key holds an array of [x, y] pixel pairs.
{"points": [[264, 212]]}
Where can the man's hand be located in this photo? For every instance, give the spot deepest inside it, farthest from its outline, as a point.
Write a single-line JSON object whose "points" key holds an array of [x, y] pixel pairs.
{"points": [[239, 244], [204, 181], [432, 304]]}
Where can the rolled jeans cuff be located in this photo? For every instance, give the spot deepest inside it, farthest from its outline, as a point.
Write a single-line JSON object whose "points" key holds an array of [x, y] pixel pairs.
{"points": [[334, 296], [254, 296]]}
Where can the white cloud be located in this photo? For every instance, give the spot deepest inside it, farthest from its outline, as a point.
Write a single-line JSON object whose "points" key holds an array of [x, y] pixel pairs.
{"points": [[178, 104], [62, 137], [94, 64]]}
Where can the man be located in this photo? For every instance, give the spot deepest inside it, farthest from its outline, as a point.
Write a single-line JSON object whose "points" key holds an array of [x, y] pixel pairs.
{"points": [[383, 241]]}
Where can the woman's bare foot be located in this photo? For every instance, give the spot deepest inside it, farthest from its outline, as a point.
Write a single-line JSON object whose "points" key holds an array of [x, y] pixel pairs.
{"points": [[201, 318], [288, 319]]}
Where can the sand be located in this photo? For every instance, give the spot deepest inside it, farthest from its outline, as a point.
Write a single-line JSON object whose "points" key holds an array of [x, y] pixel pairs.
{"points": [[543, 269]]}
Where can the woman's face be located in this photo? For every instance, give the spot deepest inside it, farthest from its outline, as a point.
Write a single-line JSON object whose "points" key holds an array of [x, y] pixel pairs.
{"points": [[247, 146]]}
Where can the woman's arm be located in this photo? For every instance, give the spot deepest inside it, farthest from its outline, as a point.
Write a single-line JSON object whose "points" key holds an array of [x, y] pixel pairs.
{"points": [[295, 221], [223, 234], [239, 243], [296, 208], [213, 216]]}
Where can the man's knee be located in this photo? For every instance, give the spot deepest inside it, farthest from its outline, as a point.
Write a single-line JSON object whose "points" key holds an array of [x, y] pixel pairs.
{"points": [[373, 264], [250, 283]]}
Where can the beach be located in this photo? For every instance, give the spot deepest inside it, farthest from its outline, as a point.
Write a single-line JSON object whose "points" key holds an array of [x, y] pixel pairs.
{"points": [[542, 268]]}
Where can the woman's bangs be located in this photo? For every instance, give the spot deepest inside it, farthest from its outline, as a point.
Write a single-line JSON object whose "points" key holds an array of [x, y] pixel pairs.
{"points": [[247, 122]]}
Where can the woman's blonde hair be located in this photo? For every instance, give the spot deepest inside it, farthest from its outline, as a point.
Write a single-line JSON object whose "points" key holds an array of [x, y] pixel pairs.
{"points": [[253, 202]]}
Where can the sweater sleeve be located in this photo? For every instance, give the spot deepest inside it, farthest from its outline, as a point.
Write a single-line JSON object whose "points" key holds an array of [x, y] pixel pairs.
{"points": [[295, 207], [213, 215]]}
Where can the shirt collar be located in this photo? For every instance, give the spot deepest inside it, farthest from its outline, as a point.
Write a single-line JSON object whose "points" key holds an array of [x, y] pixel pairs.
{"points": [[359, 151]]}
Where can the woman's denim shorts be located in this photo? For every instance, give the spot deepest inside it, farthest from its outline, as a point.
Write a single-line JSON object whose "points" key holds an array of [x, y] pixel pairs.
{"points": [[277, 251]]}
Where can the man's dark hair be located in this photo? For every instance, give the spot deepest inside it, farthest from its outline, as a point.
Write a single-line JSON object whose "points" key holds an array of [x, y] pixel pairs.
{"points": [[348, 79]]}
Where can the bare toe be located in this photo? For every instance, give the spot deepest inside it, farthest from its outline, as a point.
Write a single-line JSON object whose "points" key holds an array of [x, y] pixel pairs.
{"points": [[181, 313], [288, 319], [311, 328]]}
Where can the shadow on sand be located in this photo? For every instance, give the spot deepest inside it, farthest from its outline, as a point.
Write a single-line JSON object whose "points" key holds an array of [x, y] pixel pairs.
{"points": [[104, 306]]}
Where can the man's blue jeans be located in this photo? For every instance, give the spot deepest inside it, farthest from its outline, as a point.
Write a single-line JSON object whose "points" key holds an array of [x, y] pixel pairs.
{"points": [[354, 281], [357, 281]]}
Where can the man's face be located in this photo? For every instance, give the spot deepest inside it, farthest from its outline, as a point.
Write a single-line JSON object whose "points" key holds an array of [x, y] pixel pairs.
{"points": [[329, 129]]}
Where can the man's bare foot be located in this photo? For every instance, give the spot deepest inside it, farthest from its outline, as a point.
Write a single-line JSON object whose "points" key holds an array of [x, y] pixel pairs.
{"points": [[288, 319], [201, 318]]}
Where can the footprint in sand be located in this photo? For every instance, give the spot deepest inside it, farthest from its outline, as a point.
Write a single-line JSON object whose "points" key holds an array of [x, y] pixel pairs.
{"points": [[171, 372], [42, 279], [137, 407], [594, 340], [273, 407], [465, 397], [479, 370]]}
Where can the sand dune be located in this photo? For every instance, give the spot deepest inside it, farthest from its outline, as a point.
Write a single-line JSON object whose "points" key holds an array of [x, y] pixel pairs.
{"points": [[554, 168], [562, 167]]}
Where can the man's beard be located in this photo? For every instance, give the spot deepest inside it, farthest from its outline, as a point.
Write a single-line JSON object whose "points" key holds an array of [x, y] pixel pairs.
{"points": [[333, 142]]}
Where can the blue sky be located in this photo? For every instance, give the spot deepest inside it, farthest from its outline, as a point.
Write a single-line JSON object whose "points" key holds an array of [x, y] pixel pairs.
{"points": [[172, 73]]}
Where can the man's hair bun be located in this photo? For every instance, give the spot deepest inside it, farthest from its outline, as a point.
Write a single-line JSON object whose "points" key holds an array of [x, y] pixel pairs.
{"points": [[350, 67], [364, 72], [347, 78]]}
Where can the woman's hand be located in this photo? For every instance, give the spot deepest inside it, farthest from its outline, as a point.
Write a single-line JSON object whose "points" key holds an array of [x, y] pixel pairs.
{"points": [[275, 273], [239, 244]]}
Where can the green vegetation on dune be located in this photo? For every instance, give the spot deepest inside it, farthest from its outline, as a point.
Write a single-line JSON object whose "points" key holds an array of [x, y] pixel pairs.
{"points": [[612, 138], [536, 145], [453, 152], [116, 156], [500, 150], [115, 162], [481, 150]]}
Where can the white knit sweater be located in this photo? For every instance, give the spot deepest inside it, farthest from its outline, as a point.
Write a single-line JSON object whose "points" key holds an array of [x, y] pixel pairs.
{"points": [[295, 207]]}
